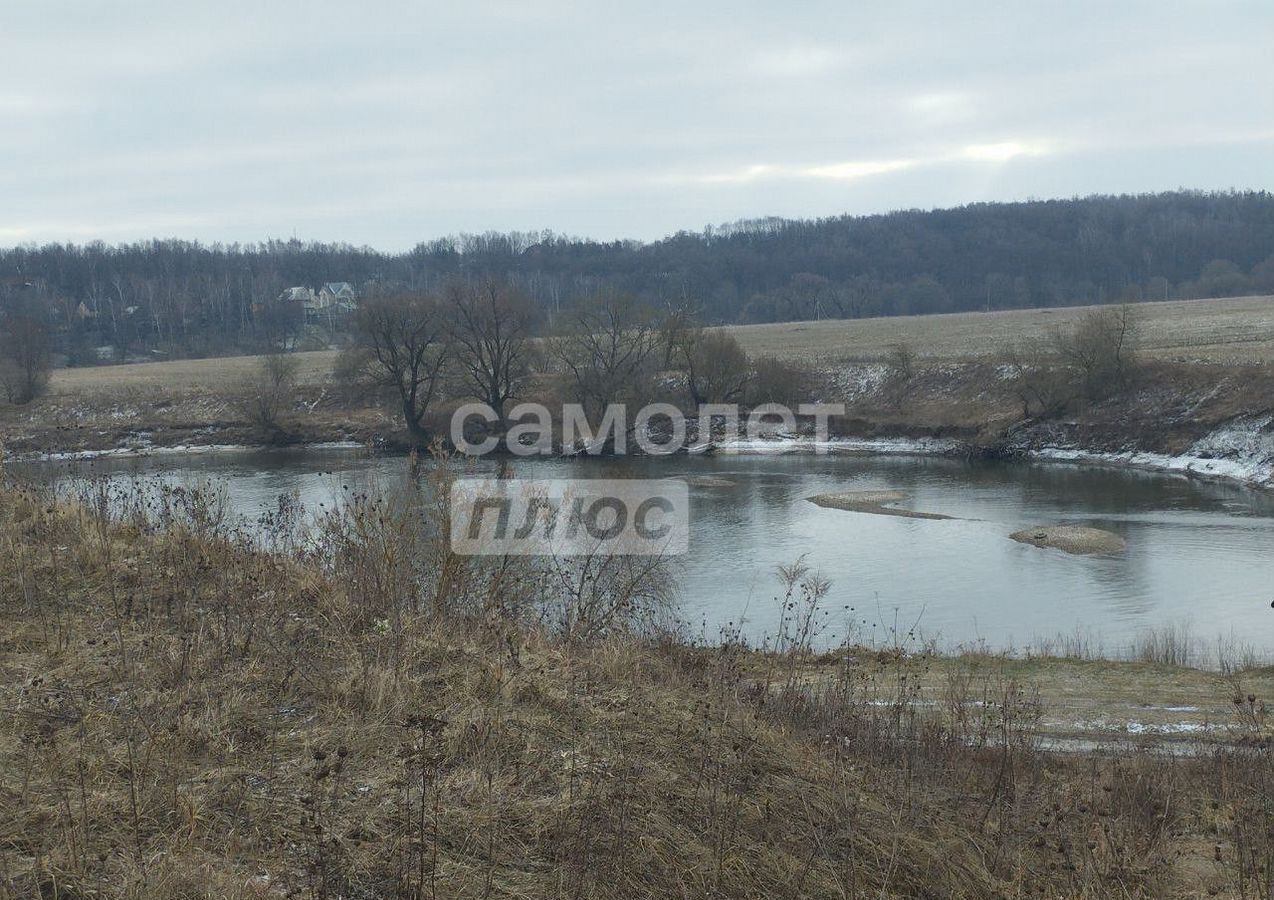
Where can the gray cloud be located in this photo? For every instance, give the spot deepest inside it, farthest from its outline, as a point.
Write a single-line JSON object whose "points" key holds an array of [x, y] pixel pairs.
{"points": [[391, 122]]}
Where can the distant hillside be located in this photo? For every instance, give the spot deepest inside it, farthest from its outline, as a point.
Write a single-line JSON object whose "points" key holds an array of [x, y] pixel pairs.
{"points": [[192, 299]]}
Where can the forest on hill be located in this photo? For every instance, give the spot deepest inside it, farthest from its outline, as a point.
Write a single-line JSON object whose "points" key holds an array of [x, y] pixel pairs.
{"points": [[184, 298]]}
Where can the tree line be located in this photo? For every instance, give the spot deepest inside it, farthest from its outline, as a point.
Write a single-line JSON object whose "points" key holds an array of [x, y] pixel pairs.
{"points": [[184, 298], [470, 363], [483, 340]]}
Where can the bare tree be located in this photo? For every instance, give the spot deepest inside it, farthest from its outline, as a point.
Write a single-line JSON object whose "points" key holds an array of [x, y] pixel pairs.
{"points": [[900, 366], [491, 332], [408, 339], [681, 319], [715, 365], [609, 349], [772, 380], [269, 391], [1092, 361], [24, 357], [1100, 348], [901, 362], [1044, 386]]}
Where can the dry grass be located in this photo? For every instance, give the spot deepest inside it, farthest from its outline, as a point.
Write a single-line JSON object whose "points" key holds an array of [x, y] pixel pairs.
{"points": [[188, 715], [1126, 701], [1232, 330], [207, 376], [1228, 330]]}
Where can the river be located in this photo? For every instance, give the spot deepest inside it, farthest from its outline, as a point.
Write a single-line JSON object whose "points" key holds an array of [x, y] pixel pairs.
{"points": [[1199, 555]]}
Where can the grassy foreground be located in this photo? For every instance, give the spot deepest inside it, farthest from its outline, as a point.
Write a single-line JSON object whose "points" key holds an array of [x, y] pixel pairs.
{"points": [[188, 715]]}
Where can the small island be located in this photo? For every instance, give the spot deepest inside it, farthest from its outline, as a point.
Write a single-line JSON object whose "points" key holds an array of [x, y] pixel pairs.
{"points": [[1077, 539], [871, 502]]}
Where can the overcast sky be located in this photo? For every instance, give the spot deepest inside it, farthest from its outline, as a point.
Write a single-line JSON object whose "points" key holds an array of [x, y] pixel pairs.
{"points": [[388, 123]]}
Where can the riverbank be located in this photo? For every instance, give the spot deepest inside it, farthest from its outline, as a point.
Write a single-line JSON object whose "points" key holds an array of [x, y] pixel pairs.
{"points": [[1193, 419], [1197, 420], [190, 716]]}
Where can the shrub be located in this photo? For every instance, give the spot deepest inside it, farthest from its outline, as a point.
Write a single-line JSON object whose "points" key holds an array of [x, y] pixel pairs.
{"points": [[1100, 349], [352, 377], [269, 392], [901, 362], [1044, 387], [900, 366], [775, 381], [24, 358], [716, 367], [1093, 361]]}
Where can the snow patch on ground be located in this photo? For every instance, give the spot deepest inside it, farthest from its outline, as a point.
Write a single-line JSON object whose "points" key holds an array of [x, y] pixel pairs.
{"points": [[1167, 727], [799, 444], [862, 380], [144, 448], [1135, 727], [1242, 450]]}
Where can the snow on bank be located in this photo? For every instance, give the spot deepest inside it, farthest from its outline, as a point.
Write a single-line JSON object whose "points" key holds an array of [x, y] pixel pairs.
{"points": [[175, 450], [1241, 450], [790, 443]]}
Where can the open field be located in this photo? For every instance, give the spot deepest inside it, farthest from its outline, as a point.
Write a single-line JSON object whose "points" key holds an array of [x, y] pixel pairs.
{"points": [[1223, 331], [181, 375], [1229, 330]]}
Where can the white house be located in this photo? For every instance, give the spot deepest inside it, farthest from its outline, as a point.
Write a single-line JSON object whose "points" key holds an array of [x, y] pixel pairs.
{"points": [[332, 301], [337, 295]]}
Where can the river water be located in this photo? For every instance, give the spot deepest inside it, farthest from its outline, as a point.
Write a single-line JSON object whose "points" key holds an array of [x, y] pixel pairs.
{"points": [[1199, 555]]}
